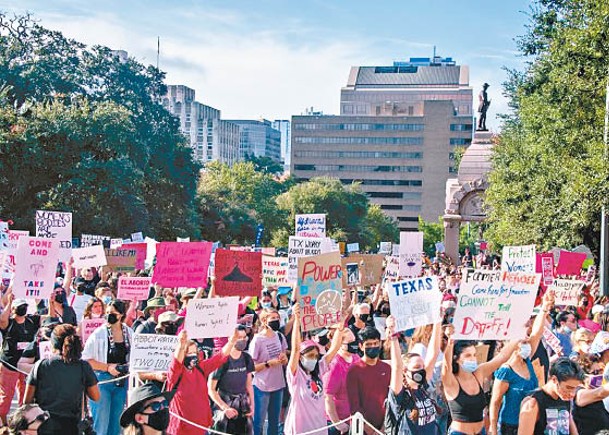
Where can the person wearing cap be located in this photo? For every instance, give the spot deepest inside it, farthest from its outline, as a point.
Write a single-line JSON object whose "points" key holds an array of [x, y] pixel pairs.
{"points": [[305, 370], [152, 310], [148, 412], [18, 330]]}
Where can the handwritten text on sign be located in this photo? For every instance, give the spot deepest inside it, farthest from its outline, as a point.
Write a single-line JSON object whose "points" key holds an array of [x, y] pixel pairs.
{"points": [[36, 260], [519, 259], [414, 302], [411, 249], [209, 318], [133, 288], [304, 247], [182, 264], [87, 326], [121, 260], [56, 225], [567, 291], [152, 353], [91, 256], [494, 305], [320, 281], [310, 225], [274, 271]]}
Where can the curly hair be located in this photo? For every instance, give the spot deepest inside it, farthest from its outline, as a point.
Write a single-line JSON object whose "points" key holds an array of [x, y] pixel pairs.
{"points": [[66, 340]]}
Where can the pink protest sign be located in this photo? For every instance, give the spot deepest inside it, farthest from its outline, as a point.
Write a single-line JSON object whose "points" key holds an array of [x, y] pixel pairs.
{"points": [[133, 288], [36, 259], [87, 327], [140, 256], [570, 263], [544, 264], [238, 273], [181, 264]]}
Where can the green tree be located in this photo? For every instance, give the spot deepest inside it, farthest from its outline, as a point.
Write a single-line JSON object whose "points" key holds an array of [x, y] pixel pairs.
{"points": [[433, 232], [265, 164], [549, 178]]}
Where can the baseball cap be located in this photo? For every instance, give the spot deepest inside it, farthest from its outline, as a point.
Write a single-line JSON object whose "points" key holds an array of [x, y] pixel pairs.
{"points": [[19, 302]]}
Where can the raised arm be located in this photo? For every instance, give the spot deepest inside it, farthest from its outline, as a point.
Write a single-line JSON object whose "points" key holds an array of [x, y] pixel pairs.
{"points": [[397, 365], [6, 313], [433, 350], [540, 320], [486, 369], [448, 378], [295, 354], [337, 342]]}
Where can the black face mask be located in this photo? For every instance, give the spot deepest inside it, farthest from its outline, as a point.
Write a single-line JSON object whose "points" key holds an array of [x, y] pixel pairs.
{"points": [[190, 361], [323, 340], [385, 310], [274, 325], [159, 420], [59, 298], [364, 317], [21, 310], [111, 318], [171, 329], [419, 376]]}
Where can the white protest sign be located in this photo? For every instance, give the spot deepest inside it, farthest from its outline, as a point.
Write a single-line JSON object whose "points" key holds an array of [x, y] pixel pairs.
{"points": [[304, 247], [11, 251], [385, 248], [36, 266], [91, 256], [352, 247], [209, 318], [411, 250], [274, 271], [519, 259], [552, 341], [567, 291], [414, 302], [116, 243], [45, 349], [395, 250], [183, 239], [92, 240], [392, 267], [310, 225], [494, 305], [440, 247], [56, 225], [87, 326], [133, 288], [137, 237], [380, 323], [152, 352]]}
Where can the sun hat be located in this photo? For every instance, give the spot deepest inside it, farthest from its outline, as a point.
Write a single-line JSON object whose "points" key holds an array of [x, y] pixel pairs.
{"points": [[138, 396]]}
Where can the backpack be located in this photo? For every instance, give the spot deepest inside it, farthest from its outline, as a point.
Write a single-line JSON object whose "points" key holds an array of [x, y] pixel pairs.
{"points": [[393, 422]]}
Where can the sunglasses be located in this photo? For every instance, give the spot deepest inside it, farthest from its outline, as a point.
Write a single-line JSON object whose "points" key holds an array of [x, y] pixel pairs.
{"points": [[44, 416], [157, 406]]}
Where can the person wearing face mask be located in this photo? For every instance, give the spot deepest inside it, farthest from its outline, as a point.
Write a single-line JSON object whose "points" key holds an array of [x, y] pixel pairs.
{"points": [[268, 349], [27, 420], [566, 323], [104, 292], [107, 350], [78, 300], [188, 376], [148, 412], [154, 307], [410, 399], [361, 317], [335, 380], [18, 330], [463, 378], [550, 406], [230, 387], [59, 308], [31, 354], [516, 378], [305, 370], [368, 379], [589, 412]]}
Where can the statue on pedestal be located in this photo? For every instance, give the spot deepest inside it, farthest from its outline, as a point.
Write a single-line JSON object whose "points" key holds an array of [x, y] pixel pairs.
{"points": [[483, 104]]}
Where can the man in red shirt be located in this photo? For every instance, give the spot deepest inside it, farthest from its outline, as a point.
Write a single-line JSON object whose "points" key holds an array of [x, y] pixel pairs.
{"points": [[368, 380]]}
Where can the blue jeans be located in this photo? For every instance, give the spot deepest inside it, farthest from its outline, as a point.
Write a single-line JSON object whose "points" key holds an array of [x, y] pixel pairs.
{"points": [[267, 402], [107, 410], [456, 432]]}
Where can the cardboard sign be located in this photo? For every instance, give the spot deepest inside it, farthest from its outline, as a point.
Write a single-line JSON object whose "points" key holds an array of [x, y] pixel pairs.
{"points": [[92, 256], [88, 326], [414, 302], [211, 318], [56, 225], [494, 305], [539, 372], [352, 247], [152, 352], [92, 240], [570, 263], [310, 225], [392, 268], [120, 260], [304, 247], [238, 273], [411, 248], [519, 259], [552, 341], [132, 288], [482, 353], [567, 291], [36, 266], [182, 264], [274, 271], [544, 264], [320, 280], [370, 268]]}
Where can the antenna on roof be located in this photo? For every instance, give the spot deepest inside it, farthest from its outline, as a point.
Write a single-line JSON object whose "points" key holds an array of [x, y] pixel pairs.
{"points": [[158, 50], [434, 51]]}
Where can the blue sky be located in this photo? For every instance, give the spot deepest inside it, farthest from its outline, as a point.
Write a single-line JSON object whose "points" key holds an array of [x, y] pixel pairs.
{"points": [[273, 58]]}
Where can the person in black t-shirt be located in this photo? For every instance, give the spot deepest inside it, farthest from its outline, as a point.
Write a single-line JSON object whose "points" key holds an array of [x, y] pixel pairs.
{"points": [[59, 308], [18, 330]]}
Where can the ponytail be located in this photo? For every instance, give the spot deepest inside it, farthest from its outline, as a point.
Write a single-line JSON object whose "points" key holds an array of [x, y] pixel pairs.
{"points": [[65, 339]]}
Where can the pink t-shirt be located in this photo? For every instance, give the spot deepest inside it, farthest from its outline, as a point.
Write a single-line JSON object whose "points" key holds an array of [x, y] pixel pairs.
{"points": [[335, 381], [307, 407]]}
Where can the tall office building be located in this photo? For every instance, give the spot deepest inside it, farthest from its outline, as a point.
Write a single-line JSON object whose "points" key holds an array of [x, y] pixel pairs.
{"points": [[396, 134], [259, 138], [284, 127], [211, 138]]}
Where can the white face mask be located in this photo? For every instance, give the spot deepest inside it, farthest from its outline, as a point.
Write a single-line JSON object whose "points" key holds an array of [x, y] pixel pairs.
{"points": [[308, 363], [525, 350]]}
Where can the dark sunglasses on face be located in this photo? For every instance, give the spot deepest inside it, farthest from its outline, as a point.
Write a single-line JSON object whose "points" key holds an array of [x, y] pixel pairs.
{"points": [[157, 406], [42, 417]]}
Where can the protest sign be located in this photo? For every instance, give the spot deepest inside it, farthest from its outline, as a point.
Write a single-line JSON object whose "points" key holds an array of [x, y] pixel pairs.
{"points": [[553, 341], [385, 248], [211, 318], [116, 243], [134, 288], [87, 326], [274, 271], [440, 247], [9, 261], [36, 260], [4, 232], [395, 250], [92, 240], [152, 352], [183, 239], [370, 268], [319, 287], [182, 264], [141, 252], [45, 349], [121, 260], [567, 291], [238, 273], [392, 267], [570, 263], [352, 274], [544, 264], [137, 237], [352, 247], [56, 225], [411, 249], [304, 247], [92, 256], [380, 323], [494, 305], [310, 225], [518, 259], [414, 302]]}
